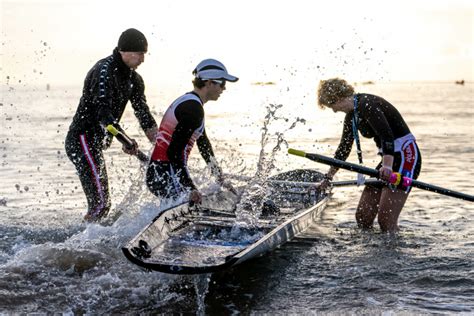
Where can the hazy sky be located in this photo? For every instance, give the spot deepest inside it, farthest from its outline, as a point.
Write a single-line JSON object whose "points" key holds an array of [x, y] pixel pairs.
{"points": [[57, 42]]}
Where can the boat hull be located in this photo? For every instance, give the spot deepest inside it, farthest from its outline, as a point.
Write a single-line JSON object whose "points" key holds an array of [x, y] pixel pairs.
{"points": [[191, 240]]}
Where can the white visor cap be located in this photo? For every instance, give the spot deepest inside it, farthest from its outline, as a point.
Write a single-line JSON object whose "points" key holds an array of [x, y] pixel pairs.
{"points": [[209, 69]]}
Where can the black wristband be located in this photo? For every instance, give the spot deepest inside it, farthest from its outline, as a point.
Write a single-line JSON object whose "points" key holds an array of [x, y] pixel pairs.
{"points": [[326, 177]]}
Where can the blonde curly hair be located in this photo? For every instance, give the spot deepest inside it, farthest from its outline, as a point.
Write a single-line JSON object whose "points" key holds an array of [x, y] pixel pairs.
{"points": [[333, 90]]}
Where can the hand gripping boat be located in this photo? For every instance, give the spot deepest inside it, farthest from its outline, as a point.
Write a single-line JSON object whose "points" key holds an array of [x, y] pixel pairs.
{"points": [[190, 240]]}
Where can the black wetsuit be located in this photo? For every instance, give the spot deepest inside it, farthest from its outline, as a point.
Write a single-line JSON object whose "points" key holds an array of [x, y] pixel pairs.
{"points": [[380, 120], [182, 125], [108, 86]]}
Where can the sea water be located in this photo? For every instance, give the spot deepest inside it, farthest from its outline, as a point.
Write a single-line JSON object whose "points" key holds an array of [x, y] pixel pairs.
{"points": [[52, 262]]}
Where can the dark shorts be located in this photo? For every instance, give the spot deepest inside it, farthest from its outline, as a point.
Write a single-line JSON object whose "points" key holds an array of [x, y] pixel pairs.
{"points": [[163, 180]]}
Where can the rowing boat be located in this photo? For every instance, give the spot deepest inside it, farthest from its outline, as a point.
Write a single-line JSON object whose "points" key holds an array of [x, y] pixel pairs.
{"points": [[188, 239]]}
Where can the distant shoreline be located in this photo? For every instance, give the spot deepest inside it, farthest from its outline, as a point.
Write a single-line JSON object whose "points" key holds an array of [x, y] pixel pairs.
{"points": [[77, 89]]}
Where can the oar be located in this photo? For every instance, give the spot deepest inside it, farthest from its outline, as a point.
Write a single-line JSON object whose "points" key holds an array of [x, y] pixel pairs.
{"points": [[127, 142], [374, 173], [317, 184], [306, 184]]}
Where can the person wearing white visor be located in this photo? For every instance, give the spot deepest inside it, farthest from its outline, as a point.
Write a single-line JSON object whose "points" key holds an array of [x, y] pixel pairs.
{"points": [[209, 69], [182, 126]]}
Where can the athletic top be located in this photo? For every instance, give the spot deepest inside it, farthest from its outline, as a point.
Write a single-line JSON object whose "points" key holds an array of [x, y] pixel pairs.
{"points": [[377, 119], [108, 86], [183, 125]]}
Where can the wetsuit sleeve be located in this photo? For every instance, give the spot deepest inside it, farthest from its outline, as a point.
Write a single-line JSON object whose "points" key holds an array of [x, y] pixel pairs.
{"points": [[347, 139], [379, 124], [139, 104], [102, 90], [205, 148], [190, 115]]}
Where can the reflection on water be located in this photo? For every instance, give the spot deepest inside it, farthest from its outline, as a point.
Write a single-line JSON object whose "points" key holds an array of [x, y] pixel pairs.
{"points": [[51, 262]]}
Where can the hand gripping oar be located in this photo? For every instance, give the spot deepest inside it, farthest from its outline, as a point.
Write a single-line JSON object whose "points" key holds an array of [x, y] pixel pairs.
{"points": [[395, 178], [127, 142]]}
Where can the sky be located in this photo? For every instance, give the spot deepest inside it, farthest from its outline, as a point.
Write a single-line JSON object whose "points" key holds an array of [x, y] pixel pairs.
{"points": [[57, 42]]}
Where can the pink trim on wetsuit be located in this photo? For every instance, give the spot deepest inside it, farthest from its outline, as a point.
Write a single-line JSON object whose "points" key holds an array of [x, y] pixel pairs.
{"points": [[95, 174]]}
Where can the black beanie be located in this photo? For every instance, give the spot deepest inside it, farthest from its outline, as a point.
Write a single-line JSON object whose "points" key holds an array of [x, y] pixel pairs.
{"points": [[132, 40]]}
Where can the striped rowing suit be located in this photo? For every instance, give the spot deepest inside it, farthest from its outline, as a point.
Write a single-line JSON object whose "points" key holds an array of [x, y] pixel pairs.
{"points": [[380, 120], [181, 127], [108, 86]]}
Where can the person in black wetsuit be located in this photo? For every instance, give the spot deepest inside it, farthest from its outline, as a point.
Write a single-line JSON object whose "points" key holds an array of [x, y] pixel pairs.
{"points": [[108, 87], [183, 125], [375, 118]]}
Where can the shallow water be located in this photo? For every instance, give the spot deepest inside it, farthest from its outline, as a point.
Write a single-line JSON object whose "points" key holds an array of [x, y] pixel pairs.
{"points": [[52, 262]]}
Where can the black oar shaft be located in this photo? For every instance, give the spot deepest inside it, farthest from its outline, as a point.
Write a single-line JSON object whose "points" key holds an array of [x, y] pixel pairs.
{"points": [[343, 164], [374, 173], [444, 191], [127, 142], [124, 139], [142, 156]]}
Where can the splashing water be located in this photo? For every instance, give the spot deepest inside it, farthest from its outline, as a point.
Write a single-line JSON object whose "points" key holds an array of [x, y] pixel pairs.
{"points": [[251, 201], [201, 286]]}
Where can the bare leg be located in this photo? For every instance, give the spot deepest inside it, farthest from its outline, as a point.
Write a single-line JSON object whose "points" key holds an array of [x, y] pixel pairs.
{"points": [[391, 205], [368, 207]]}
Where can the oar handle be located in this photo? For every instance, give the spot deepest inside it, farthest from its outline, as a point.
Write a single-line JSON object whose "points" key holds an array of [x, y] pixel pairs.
{"points": [[127, 142], [296, 152], [374, 173]]}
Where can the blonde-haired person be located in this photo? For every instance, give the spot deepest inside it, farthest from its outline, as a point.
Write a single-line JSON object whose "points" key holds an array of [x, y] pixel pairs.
{"points": [[373, 117]]}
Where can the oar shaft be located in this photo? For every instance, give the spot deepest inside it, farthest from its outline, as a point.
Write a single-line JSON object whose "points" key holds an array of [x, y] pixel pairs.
{"points": [[127, 142], [343, 164], [374, 173], [124, 139], [142, 156], [317, 184], [341, 183], [444, 191]]}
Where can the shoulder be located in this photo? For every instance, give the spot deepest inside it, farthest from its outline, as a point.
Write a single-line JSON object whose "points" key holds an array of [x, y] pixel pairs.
{"points": [[369, 102], [189, 104], [103, 66], [106, 63], [189, 100], [366, 98]]}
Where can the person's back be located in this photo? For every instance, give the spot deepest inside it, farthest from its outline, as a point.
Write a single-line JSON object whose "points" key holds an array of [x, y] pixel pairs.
{"points": [[370, 107]]}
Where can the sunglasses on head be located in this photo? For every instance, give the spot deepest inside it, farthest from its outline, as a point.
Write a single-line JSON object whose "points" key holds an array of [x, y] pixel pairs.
{"points": [[219, 82]]}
